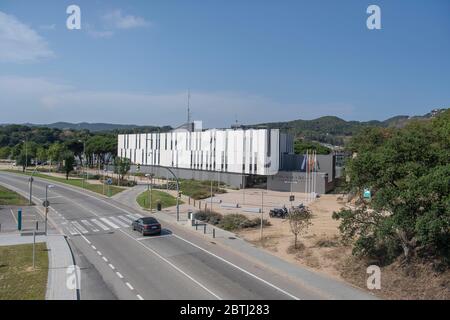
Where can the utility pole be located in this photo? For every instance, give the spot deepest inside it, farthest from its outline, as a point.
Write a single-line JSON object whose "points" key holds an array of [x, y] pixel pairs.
{"points": [[262, 214], [31, 189], [149, 190], [211, 207], [49, 186], [26, 155]]}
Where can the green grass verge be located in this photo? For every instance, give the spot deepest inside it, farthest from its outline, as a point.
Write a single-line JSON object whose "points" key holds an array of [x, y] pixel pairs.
{"points": [[18, 280], [166, 199], [8, 197], [98, 188], [199, 189]]}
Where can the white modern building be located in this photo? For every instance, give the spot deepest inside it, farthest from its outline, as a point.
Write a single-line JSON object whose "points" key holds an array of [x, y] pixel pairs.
{"points": [[252, 151], [238, 157]]}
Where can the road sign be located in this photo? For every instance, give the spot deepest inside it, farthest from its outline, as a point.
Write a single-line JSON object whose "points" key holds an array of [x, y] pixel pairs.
{"points": [[46, 204], [291, 198], [367, 194], [109, 181], [31, 179]]}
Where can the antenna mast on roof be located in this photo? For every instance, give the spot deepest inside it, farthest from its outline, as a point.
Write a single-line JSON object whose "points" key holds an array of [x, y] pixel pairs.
{"points": [[188, 107]]}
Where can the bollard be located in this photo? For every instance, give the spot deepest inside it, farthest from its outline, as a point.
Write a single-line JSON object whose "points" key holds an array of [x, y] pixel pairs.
{"points": [[214, 233], [0, 227], [19, 219], [204, 228], [37, 225], [196, 226]]}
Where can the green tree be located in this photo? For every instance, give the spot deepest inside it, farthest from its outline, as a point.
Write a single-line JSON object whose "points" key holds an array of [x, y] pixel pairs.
{"points": [[101, 146], [299, 222], [41, 154], [121, 167], [68, 162], [300, 147], [408, 173], [55, 152], [5, 152]]}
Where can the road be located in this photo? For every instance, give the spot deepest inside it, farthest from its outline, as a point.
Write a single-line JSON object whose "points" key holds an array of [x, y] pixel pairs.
{"points": [[176, 265]]}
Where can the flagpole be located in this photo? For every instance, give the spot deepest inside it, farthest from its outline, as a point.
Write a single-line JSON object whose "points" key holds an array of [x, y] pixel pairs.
{"points": [[306, 177]]}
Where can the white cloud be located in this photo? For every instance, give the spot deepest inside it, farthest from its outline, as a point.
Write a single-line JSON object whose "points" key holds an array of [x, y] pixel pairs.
{"points": [[100, 34], [41, 100], [48, 27], [19, 43], [118, 20]]}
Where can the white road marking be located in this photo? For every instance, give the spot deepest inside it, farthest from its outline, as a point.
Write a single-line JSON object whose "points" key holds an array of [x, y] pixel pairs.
{"points": [[72, 230], [109, 223], [239, 268], [85, 239], [139, 297], [99, 253], [126, 211], [104, 258], [101, 225], [93, 247], [15, 219], [111, 266], [153, 237], [89, 225], [134, 218], [129, 286], [124, 218], [79, 227], [119, 222], [139, 215], [119, 275], [173, 266]]}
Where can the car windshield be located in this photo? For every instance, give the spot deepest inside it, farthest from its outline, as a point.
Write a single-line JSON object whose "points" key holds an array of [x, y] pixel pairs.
{"points": [[149, 220]]}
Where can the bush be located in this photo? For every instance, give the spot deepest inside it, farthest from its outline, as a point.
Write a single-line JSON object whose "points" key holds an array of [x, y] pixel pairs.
{"points": [[229, 222], [123, 183], [209, 217]]}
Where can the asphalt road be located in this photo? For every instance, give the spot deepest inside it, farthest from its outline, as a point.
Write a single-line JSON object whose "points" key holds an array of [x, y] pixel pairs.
{"points": [[176, 265]]}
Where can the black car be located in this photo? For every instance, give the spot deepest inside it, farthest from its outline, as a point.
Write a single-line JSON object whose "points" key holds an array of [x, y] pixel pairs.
{"points": [[147, 225]]}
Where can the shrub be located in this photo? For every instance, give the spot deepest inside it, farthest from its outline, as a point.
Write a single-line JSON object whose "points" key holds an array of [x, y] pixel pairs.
{"points": [[229, 222]]}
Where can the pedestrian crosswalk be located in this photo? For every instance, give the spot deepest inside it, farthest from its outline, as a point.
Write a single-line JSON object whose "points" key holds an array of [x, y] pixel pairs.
{"points": [[101, 224]]}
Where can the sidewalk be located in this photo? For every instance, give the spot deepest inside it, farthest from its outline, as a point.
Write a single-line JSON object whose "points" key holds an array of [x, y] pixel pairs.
{"points": [[324, 283], [60, 258]]}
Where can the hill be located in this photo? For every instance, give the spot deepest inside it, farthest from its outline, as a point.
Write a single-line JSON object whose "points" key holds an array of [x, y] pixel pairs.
{"points": [[336, 131], [97, 127]]}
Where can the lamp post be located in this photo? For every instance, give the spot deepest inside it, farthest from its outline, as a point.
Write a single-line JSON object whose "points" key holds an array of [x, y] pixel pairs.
{"points": [[262, 214], [46, 204], [84, 158], [25, 142], [150, 189]]}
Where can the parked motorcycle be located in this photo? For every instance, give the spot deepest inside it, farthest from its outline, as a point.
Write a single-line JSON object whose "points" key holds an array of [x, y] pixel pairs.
{"points": [[279, 213]]}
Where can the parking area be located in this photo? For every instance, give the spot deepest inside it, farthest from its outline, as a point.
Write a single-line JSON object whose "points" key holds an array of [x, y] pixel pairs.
{"points": [[30, 219]]}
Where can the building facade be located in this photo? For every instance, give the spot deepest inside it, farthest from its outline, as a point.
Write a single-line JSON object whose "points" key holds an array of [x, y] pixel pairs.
{"points": [[238, 157], [250, 152]]}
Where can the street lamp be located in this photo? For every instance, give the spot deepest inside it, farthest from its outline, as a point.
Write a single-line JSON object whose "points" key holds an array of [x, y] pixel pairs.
{"points": [[150, 189], [26, 153], [84, 158], [46, 204]]}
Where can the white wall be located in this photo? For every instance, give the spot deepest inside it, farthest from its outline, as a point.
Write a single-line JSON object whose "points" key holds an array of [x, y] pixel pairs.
{"points": [[235, 151]]}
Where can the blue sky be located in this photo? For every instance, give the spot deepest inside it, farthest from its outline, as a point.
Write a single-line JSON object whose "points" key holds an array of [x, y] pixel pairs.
{"points": [[259, 61]]}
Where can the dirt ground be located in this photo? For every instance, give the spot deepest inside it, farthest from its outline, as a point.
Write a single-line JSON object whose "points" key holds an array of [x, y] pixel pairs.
{"points": [[320, 249]]}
